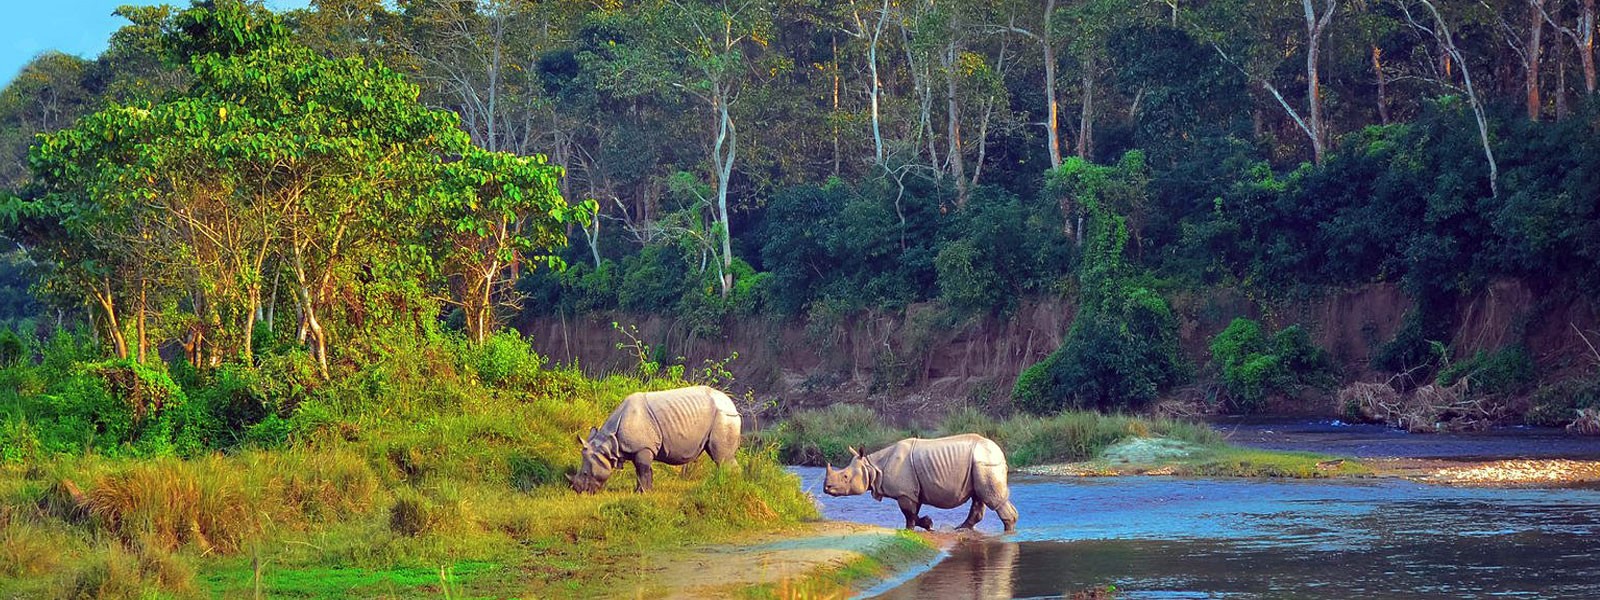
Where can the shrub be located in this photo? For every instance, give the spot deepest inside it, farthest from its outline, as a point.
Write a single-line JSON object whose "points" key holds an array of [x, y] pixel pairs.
{"points": [[12, 348], [1508, 370], [653, 280], [504, 359], [1113, 359], [1557, 404], [1254, 366]]}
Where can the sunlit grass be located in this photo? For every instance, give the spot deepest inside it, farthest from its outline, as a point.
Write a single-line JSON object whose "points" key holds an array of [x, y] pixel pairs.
{"points": [[459, 488]]}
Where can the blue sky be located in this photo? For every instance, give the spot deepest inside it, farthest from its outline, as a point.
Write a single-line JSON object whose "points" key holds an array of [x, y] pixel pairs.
{"points": [[81, 27]]}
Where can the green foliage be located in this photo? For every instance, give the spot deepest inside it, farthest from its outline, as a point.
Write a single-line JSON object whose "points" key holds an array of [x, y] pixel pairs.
{"points": [[12, 348], [1255, 366], [1505, 371], [1556, 404], [1122, 350], [820, 436], [505, 360]]}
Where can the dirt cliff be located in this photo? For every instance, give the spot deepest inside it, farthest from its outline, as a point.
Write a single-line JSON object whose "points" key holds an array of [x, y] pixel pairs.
{"points": [[923, 359]]}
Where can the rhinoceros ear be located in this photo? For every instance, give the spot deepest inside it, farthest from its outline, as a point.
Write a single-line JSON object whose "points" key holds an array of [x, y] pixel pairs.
{"points": [[855, 451], [581, 441]]}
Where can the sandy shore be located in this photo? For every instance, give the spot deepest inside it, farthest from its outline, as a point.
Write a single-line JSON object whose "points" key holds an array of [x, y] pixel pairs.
{"points": [[779, 559], [1488, 473]]}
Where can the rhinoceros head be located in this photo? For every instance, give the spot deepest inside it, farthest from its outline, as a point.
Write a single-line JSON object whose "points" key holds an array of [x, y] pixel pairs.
{"points": [[599, 458], [851, 480]]}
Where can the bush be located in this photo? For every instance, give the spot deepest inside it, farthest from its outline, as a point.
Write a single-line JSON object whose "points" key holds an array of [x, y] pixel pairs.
{"points": [[1508, 370], [653, 280], [504, 359], [12, 348], [1255, 366], [1111, 360], [1557, 404]]}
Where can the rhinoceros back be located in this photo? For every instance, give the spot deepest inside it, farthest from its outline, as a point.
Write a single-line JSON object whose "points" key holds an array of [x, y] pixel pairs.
{"points": [[676, 424], [943, 469]]}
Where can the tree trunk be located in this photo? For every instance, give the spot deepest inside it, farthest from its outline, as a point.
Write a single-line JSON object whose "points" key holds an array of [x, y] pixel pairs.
{"points": [[108, 307], [312, 326], [1053, 126], [1586, 46], [1086, 119], [1315, 27], [724, 153], [835, 119], [876, 91], [1383, 86], [144, 307], [1561, 82], [1535, 51], [958, 166]]}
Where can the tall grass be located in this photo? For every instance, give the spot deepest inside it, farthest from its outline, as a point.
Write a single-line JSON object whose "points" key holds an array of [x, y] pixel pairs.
{"points": [[812, 437], [432, 457], [820, 436]]}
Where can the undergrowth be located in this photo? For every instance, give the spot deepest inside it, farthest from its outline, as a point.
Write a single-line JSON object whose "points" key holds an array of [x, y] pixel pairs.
{"points": [[415, 474], [819, 436]]}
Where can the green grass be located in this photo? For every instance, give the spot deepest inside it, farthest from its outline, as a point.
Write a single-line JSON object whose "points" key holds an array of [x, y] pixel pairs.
{"points": [[406, 470], [813, 437], [1233, 461]]}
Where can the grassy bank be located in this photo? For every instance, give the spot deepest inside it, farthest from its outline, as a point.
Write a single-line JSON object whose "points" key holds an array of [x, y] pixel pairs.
{"points": [[815, 437], [1095, 443], [894, 553], [441, 481]]}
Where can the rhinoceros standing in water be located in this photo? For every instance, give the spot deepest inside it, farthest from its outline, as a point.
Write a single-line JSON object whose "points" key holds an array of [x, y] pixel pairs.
{"points": [[944, 473], [672, 426]]}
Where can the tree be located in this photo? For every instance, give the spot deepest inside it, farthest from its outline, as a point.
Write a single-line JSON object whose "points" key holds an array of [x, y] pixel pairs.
{"points": [[701, 49], [276, 163], [483, 200], [1258, 58], [1580, 32], [1434, 25]]}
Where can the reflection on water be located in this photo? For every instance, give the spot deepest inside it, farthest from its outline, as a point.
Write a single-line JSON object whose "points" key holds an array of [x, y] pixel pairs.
{"points": [[1184, 538]]}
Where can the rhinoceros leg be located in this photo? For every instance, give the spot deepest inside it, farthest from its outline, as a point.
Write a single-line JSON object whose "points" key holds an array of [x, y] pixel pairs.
{"points": [[973, 516], [1007, 516], [910, 507], [642, 466]]}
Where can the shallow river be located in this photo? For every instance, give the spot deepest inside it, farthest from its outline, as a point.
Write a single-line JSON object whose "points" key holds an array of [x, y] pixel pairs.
{"points": [[1163, 537]]}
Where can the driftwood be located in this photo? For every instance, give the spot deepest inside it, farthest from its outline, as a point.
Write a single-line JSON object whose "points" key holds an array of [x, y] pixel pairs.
{"points": [[1587, 422], [1427, 409]]}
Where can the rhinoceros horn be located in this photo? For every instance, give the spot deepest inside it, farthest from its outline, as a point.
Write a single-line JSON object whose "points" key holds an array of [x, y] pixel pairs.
{"points": [[571, 478]]}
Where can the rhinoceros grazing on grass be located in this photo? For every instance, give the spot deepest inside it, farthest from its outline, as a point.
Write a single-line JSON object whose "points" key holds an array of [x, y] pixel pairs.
{"points": [[943, 472], [671, 426]]}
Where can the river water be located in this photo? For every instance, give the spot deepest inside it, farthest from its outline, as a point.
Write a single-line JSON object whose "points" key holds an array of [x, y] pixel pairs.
{"points": [[1166, 537]]}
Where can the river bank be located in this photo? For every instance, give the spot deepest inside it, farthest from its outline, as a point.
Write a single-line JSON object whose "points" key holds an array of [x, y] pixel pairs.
{"points": [[827, 559]]}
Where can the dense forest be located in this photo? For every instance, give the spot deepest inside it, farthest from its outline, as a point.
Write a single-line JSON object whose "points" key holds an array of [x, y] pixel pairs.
{"points": [[806, 160]]}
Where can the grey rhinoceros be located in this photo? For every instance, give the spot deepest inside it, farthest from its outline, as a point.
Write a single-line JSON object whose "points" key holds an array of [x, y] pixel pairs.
{"points": [[671, 426], [942, 472]]}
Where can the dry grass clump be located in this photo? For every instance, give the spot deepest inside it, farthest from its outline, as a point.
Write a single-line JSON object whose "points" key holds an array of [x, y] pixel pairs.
{"points": [[26, 549], [113, 571], [312, 485], [1427, 409], [169, 503]]}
